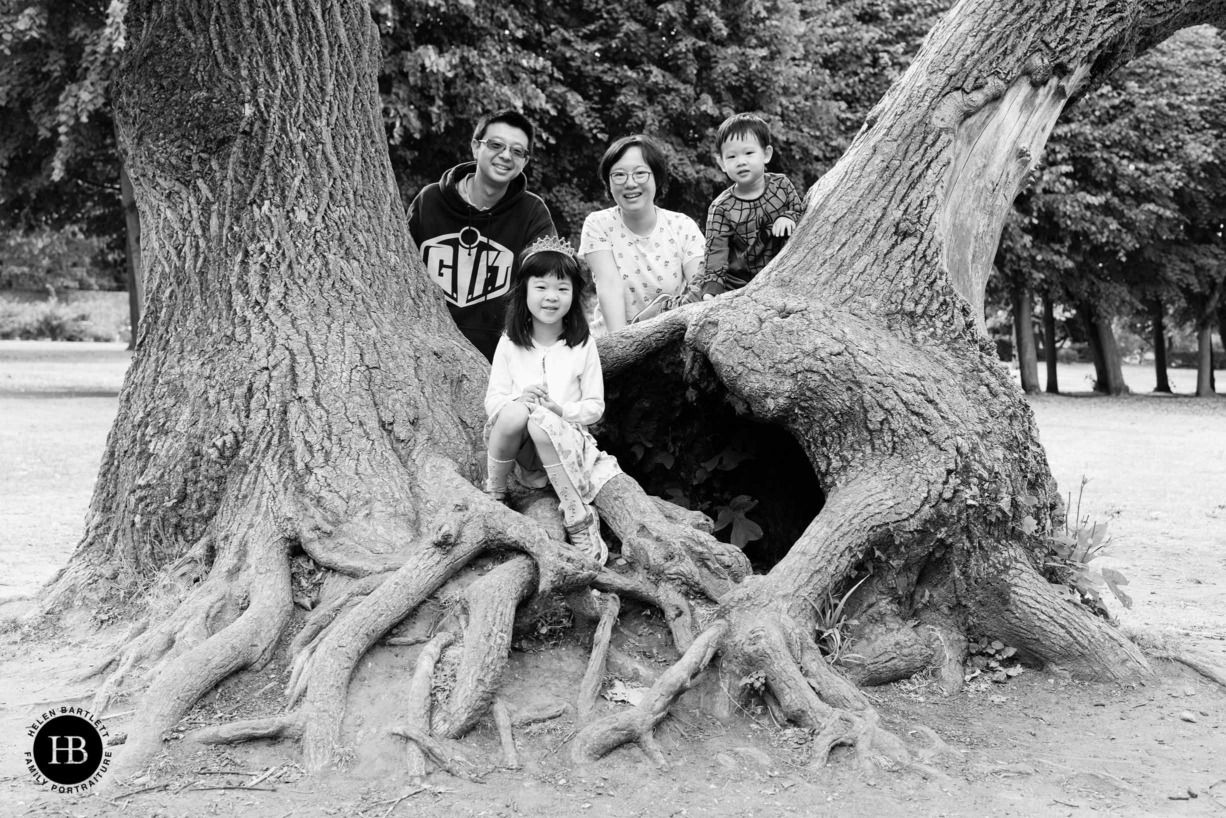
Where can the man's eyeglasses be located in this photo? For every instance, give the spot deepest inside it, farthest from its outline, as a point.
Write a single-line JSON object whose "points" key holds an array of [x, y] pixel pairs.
{"points": [[498, 146], [620, 177]]}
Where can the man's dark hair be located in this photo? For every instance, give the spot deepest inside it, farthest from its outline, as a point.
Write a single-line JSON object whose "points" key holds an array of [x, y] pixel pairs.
{"points": [[652, 155], [547, 264], [739, 126], [506, 116]]}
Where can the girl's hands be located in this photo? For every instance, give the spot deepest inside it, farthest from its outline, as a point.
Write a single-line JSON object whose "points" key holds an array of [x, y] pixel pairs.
{"points": [[538, 395]]}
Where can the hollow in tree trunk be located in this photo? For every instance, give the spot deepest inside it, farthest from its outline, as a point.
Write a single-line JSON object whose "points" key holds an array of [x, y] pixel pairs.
{"points": [[300, 391]]}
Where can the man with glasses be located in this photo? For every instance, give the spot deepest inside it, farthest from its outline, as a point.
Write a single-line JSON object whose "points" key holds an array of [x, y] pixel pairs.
{"points": [[471, 225]]}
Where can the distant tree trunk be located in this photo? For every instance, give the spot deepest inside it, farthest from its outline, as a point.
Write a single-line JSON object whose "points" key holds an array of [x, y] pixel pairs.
{"points": [[1049, 344], [1108, 372], [1204, 360], [1157, 315], [1023, 333], [136, 284], [1221, 321]]}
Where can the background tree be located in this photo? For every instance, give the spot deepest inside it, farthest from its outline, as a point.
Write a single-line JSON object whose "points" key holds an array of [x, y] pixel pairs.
{"points": [[59, 167], [1127, 214], [297, 393]]}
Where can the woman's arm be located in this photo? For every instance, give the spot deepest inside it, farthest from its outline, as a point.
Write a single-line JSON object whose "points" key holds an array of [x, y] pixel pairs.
{"points": [[608, 288]]}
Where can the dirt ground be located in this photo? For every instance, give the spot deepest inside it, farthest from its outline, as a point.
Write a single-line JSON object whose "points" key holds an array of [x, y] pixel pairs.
{"points": [[1039, 744]]}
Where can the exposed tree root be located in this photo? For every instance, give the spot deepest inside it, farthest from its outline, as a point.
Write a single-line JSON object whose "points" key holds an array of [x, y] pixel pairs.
{"points": [[609, 606], [665, 550], [502, 720], [1020, 608], [491, 601], [1201, 665], [324, 615], [418, 716], [276, 727], [433, 749], [245, 642], [638, 723]]}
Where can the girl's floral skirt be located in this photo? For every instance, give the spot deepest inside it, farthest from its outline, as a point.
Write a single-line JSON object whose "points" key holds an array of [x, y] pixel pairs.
{"points": [[587, 467]]}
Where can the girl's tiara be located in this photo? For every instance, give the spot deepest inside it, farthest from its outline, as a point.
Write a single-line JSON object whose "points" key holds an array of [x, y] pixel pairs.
{"points": [[550, 244]]}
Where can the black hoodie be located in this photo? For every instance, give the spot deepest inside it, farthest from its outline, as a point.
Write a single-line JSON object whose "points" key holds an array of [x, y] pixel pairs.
{"points": [[472, 253]]}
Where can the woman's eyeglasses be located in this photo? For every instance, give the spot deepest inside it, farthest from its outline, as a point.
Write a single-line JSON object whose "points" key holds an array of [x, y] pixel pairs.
{"points": [[498, 146], [620, 177]]}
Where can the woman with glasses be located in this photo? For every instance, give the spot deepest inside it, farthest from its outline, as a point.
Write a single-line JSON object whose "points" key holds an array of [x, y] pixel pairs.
{"points": [[644, 259]]}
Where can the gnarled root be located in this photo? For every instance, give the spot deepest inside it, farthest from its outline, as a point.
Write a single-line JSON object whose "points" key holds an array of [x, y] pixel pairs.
{"points": [[1020, 608], [418, 716], [491, 602], [606, 607], [809, 693], [666, 550], [276, 727], [638, 723], [247, 641]]}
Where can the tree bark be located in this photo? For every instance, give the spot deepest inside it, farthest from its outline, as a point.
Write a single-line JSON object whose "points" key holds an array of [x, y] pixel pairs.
{"points": [[299, 385], [1023, 333], [136, 283], [1049, 344], [1108, 372], [1157, 314]]}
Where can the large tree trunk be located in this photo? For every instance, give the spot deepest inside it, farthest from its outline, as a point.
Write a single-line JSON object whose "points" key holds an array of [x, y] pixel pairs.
{"points": [[1049, 344], [299, 385], [1023, 333], [1108, 369], [1157, 316]]}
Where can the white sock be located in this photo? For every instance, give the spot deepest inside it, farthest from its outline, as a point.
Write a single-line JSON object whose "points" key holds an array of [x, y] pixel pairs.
{"points": [[573, 509], [498, 471]]}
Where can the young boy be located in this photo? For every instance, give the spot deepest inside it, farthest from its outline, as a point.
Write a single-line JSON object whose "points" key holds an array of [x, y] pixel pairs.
{"points": [[748, 223]]}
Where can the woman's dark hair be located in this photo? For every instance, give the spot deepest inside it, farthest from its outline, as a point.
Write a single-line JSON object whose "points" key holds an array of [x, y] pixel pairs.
{"points": [[652, 155], [547, 264]]}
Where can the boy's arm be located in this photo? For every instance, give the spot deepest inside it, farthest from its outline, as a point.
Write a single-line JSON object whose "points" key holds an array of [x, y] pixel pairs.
{"points": [[793, 208], [719, 234]]}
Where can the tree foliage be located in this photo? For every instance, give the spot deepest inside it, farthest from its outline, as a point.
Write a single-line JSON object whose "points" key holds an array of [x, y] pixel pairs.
{"points": [[589, 72], [59, 165], [1132, 201]]}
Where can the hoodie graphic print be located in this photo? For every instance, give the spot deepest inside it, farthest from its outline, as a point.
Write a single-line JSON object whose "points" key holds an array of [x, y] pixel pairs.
{"points": [[471, 254]]}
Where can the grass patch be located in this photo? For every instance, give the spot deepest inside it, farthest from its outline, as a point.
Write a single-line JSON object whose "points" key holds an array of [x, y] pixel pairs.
{"points": [[56, 321]]}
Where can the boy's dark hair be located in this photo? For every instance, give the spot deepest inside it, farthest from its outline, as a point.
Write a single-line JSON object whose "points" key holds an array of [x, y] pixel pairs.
{"points": [[652, 155], [506, 116], [740, 126], [545, 264]]}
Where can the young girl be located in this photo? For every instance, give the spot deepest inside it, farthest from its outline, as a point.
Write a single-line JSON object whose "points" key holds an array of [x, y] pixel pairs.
{"points": [[545, 389]]}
